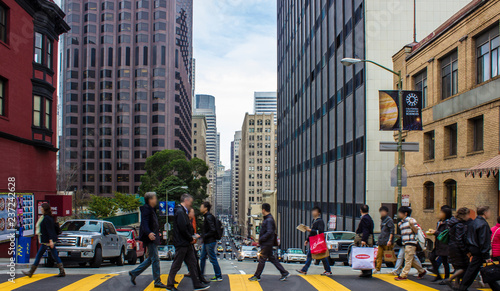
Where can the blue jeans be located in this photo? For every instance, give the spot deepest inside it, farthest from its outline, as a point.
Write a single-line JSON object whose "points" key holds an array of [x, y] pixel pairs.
{"points": [[152, 259], [42, 250], [326, 264], [209, 249]]}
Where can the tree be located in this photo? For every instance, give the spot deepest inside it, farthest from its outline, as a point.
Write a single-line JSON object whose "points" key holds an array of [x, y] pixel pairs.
{"points": [[102, 207], [66, 176], [81, 198], [126, 203]]}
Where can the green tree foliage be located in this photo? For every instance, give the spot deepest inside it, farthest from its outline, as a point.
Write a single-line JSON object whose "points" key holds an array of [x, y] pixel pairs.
{"points": [[102, 207], [126, 203]]}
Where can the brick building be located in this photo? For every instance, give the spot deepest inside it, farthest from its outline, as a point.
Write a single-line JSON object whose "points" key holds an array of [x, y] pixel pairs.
{"points": [[29, 35], [457, 68]]}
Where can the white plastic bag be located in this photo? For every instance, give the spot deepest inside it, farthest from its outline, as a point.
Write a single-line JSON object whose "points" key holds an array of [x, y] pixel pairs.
{"points": [[363, 258]]}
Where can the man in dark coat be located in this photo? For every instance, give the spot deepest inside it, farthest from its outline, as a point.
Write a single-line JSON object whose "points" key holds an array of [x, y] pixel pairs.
{"points": [[149, 234], [478, 242], [364, 234], [209, 242], [268, 239], [183, 239], [317, 227]]}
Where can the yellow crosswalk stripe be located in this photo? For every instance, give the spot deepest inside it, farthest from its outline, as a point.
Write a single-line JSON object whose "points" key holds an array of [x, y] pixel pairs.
{"points": [[88, 283], [323, 283], [23, 281], [240, 282], [405, 285], [164, 279]]}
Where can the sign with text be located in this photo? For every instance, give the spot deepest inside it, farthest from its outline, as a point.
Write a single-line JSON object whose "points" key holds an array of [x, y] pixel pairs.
{"points": [[171, 207], [332, 223], [389, 110]]}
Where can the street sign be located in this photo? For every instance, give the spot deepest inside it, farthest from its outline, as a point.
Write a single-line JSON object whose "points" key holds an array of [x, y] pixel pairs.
{"points": [[332, 223], [394, 177], [405, 200], [390, 146]]}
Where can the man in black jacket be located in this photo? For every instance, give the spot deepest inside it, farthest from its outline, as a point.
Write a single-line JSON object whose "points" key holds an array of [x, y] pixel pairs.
{"points": [[317, 227], [209, 237], [184, 238], [478, 242], [268, 239], [149, 234], [365, 232]]}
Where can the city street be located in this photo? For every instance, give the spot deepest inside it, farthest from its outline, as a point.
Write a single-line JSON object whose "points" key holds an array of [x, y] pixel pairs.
{"points": [[111, 277]]}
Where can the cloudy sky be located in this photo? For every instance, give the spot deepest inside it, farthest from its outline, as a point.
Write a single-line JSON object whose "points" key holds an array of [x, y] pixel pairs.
{"points": [[235, 51]]}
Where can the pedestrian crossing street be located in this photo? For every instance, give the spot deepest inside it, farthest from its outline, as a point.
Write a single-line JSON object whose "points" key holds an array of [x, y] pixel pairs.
{"points": [[121, 282]]}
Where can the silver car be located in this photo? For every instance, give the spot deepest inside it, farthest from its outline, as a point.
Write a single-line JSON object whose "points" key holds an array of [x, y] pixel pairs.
{"points": [[294, 255], [248, 252]]}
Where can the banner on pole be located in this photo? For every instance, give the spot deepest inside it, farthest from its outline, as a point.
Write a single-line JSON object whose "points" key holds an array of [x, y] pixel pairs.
{"points": [[389, 110]]}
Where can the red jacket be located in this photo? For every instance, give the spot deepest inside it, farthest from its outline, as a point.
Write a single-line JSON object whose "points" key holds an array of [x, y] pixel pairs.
{"points": [[495, 240]]}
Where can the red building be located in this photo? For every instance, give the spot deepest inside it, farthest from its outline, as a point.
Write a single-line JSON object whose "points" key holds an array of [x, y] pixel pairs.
{"points": [[29, 35]]}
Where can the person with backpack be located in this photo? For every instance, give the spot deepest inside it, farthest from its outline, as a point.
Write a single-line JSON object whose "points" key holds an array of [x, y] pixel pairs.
{"points": [[317, 227], [47, 232], [409, 230], [267, 240], [210, 237], [441, 233]]}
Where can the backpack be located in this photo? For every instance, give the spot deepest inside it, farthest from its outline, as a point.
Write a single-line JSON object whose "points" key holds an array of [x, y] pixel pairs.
{"points": [[219, 227]]}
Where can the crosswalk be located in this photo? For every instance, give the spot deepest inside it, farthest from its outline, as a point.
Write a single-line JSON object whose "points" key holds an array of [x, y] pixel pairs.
{"points": [[232, 282]]}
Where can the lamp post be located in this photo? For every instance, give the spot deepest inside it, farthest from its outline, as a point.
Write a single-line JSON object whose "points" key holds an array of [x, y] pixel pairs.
{"points": [[351, 61]]}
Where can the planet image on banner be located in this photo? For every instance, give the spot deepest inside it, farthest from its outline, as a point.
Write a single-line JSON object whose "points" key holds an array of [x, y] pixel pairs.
{"points": [[388, 112]]}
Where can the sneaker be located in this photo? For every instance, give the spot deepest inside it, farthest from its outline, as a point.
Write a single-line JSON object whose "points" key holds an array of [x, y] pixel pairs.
{"points": [[254, 279], [326, 273], [395, 273], [301, 272], [399, 278], [376, 271], [216, 279], [132, 278], [202, 288], [421, 275], [283, 277], [171, 289]]}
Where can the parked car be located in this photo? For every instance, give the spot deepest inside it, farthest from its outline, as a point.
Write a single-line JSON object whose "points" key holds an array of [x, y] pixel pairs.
{"points": [[294, 255], [91, 241], [338, 243], [248, 252], [164, 253], [135, 247]]}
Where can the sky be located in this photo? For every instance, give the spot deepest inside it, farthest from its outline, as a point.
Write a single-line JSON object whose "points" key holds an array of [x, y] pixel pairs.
{"points": [[235, 51]]}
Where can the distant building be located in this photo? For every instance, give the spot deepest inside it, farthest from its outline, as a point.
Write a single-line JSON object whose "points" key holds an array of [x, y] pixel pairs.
{"points": [[226, 200], [265, 102], [257, 164], [219, 191], [199, 134], [29, 37], [126, 89], [457, 68], [235, 173], [328, 114]]}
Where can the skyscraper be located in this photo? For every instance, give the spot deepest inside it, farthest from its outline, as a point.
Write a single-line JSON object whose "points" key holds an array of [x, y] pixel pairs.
{"points": [[226, 193], [328, 114], [205, 105], [126, 88], [235, 173], [265, 102]]}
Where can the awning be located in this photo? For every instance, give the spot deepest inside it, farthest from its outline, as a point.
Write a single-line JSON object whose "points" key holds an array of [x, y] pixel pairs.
{"points": [[490, 167]]}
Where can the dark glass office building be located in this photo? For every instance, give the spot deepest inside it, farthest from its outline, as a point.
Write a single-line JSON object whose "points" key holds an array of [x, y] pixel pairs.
{"points": [[126, 88]]}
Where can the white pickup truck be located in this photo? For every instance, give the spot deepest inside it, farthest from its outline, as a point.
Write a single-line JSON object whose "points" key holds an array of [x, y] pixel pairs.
{"points": [[90, 241]]}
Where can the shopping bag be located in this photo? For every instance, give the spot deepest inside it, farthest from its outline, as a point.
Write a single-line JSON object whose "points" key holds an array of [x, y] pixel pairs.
{"points": [[318, 244], [390, 256], [363, 258], [321, 256], [491, 273]]}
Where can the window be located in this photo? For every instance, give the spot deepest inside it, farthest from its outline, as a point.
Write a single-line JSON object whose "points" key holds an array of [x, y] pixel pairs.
{"points": [[429, 145], [3, 23], [451, 140], [487, 54], [476, 127], [421, 85], [3, 84], [42, 115], [428, 195], [449, 75], [38, 47], [451, 193]]}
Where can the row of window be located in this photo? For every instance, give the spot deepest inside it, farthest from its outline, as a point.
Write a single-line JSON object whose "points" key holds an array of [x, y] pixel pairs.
{"points": [[108, 5], [475, 140], [252, 122], [124, 119], [450, 194], [121, 96], [120, 154], [138, 142], [121, 108], [103, 131]]}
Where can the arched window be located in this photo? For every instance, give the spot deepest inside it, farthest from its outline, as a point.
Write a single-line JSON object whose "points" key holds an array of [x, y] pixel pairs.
{"points": [[428, 195], [451, 193]]}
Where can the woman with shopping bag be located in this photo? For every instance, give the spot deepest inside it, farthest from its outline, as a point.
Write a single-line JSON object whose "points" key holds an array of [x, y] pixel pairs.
{"points": [[364, 238], [317, 244]]}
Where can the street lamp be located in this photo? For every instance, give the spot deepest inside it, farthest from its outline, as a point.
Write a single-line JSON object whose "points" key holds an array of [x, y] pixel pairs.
{"points": [[351, 61], [168, 190]]}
